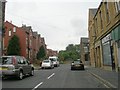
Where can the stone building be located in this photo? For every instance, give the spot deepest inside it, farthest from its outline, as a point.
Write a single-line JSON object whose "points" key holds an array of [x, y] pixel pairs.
{"points": [[84, 49], [106, 27]]}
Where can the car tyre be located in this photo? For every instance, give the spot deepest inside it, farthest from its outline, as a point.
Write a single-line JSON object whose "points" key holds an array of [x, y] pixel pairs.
{"points": [[4, 78], [20, 75], [32, 73], [42, 67]]}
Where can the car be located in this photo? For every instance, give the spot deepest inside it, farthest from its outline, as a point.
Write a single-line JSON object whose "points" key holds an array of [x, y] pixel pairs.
{"points": [[47, 64], [77, 65], [55, 61], [17, 66]]}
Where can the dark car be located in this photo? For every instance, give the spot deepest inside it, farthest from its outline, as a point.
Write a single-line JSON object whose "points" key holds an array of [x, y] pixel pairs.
{"points": [[77, 65], [17, 66]]}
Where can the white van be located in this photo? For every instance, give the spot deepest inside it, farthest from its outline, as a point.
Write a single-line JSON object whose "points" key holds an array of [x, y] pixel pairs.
{"points": [[55, 61]]}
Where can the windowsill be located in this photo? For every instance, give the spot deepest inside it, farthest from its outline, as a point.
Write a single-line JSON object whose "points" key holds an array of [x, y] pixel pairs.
{"points": [[101, 31], [108, 23], [117, 14]]}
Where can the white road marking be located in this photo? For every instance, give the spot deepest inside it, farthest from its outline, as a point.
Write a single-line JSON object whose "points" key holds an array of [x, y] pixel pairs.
{"points": [[51, 76], [106, 86], [37, 85]]}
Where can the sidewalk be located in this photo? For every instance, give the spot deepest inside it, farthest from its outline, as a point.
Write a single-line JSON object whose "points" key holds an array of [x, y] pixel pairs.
{"points": [[37, 67], [109, 78]]}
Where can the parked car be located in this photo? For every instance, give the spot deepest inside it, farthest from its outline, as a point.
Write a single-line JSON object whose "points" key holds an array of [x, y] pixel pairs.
{"points": [[47, 64], [55, 61], [77, 65], [17, 66]]}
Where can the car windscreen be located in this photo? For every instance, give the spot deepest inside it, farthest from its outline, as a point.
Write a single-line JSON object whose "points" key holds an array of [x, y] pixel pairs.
{"points": [[6, 60]]}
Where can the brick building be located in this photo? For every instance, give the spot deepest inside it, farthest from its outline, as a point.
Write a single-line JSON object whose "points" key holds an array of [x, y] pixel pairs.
{"points": [[43, 44], [11, 30], [51, 52], [30, 41]]}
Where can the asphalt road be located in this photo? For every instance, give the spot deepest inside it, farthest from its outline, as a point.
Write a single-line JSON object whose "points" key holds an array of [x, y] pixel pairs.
{"points": [[59, 77]]}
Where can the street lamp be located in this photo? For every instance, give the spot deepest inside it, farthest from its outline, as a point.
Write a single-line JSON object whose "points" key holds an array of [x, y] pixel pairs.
{"points": [[2, 17]]}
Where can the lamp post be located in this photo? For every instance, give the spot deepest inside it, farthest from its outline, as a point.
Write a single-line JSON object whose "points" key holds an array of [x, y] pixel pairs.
{"points": [[2, 17]]}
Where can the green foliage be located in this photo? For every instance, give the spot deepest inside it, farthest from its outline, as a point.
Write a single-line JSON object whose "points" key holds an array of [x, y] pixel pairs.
{"points": [[14, 46], [72, 52], [41, 53]]}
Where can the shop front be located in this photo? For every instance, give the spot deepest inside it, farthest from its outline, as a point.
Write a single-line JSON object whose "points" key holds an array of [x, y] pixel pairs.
{"points": [[119, 55], [116, 37], [108, 54]]}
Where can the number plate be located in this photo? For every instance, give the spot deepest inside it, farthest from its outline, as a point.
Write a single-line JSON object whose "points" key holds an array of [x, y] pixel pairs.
{"points": [[3, 68], [77, 65]]}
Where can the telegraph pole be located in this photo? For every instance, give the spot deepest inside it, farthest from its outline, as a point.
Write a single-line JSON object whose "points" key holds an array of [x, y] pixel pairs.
{"points": [[2, 29]]}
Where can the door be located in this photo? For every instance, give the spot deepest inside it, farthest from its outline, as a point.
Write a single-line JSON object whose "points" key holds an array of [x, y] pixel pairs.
{"points": [[112, 58]]}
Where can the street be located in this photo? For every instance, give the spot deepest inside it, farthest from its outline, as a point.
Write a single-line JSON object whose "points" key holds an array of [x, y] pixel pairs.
{"points": [[59, 77]]}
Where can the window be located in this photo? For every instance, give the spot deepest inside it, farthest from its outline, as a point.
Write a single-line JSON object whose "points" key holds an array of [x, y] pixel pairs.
{"points": [[107, 11], [10, 33], [117, 5], [14, 29], [96, 25], [101, 20], [27, 50], [26, 41], [30, 42]]}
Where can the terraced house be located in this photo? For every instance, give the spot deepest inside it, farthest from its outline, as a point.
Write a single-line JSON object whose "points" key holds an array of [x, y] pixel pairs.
{"points": [[30, 41], [104, 35]]}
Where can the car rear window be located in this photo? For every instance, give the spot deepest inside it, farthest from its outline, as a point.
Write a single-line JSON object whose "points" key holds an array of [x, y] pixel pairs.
{"points": [[76, 62], [53, 59], [6, 60], [46, 61]]}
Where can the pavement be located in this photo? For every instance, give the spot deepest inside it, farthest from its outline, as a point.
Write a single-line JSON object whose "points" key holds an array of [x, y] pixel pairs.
{"points": [[109, 78], [37, 67]]}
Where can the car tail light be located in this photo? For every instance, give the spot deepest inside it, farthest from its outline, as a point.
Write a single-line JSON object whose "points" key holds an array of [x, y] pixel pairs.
{"points": [[13, 60], [72, 63]]}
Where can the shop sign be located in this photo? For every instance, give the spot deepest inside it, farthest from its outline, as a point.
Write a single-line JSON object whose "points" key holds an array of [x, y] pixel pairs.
{"points": [[106, 39]]}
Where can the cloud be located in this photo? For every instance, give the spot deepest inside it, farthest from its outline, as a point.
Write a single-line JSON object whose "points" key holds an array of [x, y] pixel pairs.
{"points": [[79, 27], [60, 22]]}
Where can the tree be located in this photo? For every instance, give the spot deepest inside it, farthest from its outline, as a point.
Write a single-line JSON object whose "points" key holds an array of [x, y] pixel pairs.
{"points": [[72, 52], [70, 47], [41, 53], [13, 46]]}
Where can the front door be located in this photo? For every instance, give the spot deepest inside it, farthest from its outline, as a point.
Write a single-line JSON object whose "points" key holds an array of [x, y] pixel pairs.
{"points": [[112, 58]]}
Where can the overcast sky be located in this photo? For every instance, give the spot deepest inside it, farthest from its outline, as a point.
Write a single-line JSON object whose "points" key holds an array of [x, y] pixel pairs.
{"points": [[60, 22]]}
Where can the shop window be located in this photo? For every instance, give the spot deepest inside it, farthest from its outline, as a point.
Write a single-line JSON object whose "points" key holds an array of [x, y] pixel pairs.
{"points": [[106, 54], [119, 44]]}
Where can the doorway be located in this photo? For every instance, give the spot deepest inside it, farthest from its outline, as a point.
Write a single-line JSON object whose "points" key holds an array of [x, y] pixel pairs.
{"points": [[112, 57]]}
